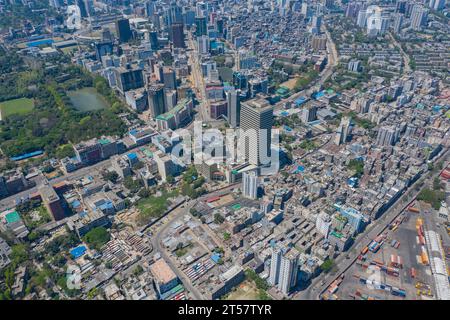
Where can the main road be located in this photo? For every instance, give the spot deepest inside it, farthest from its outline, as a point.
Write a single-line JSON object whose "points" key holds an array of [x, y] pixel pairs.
{"points": [[198, 80], [333, 60], [344, 261], [406, 59]]}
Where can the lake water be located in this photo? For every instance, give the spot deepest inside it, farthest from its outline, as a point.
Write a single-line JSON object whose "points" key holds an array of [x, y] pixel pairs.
{"points": [[87, 99]]}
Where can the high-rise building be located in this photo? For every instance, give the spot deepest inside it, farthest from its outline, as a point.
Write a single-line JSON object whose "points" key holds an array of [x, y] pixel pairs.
{"points": [[401, 7], [352, 9], [177, 35], [233, 108], [156, 99], [362, 18], [128, 78], [319, 43], [102, 49], [323, 223], [309, 114], [123, 30], [274, 272], [328, 3], [89, 7], [256, 130], [354, 65], [419, 17], [437, 5], [176, 14], [284, 268], [81, 4], [387, 136], [149, 8], [398, 21], [376, 22], [166, 167], [201, 26], [250, 185], [88, 152], [306, 9], [203, 44], [343, 131], [288, 270], [316, 22], [52, 202], [169, 78]]}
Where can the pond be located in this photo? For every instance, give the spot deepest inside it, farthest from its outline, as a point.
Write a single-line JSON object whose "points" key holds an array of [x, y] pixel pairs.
{"points": [[87, 99]]}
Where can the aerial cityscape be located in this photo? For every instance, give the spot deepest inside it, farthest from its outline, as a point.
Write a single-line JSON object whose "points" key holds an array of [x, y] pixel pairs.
{"points": [[224, 150]]}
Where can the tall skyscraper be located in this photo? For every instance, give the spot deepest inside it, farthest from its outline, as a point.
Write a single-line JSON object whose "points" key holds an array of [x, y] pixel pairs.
{"points": [[169, 78], [154, 44], [316, 22], [156, 99], [128, 78], [256, 130], [274, 272], [309, 114], [343, 131], [201, 26], [362, 18], [328, 3], [419, 17], [177, 35], [176, 14], [319, 42], [203, 44], [149, 8], [387, 136], [398, 21], [401, 7], [82, 6], [233, 108], [123, 30], [284, 268], [437, 5], [288, 270], [250, 185], [323, 224], [352, 9]]}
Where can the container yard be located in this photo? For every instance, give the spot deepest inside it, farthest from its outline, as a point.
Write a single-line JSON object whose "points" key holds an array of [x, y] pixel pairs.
{"points": [[387, 270]]}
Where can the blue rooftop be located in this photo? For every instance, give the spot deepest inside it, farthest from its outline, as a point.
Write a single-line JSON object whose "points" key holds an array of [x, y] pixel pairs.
{"points": [[300, 101], [216, 257], [75, 204], [78, 252], [132, 156], [27, 155]]}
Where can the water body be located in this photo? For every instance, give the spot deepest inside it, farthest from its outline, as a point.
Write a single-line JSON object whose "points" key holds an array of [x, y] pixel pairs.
{"points": [[87, 99]]}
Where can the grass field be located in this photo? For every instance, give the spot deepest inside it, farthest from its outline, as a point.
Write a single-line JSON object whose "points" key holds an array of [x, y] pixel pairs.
{"points": [[16, 106], [290, 84], [154, 207], [245, 291]]}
